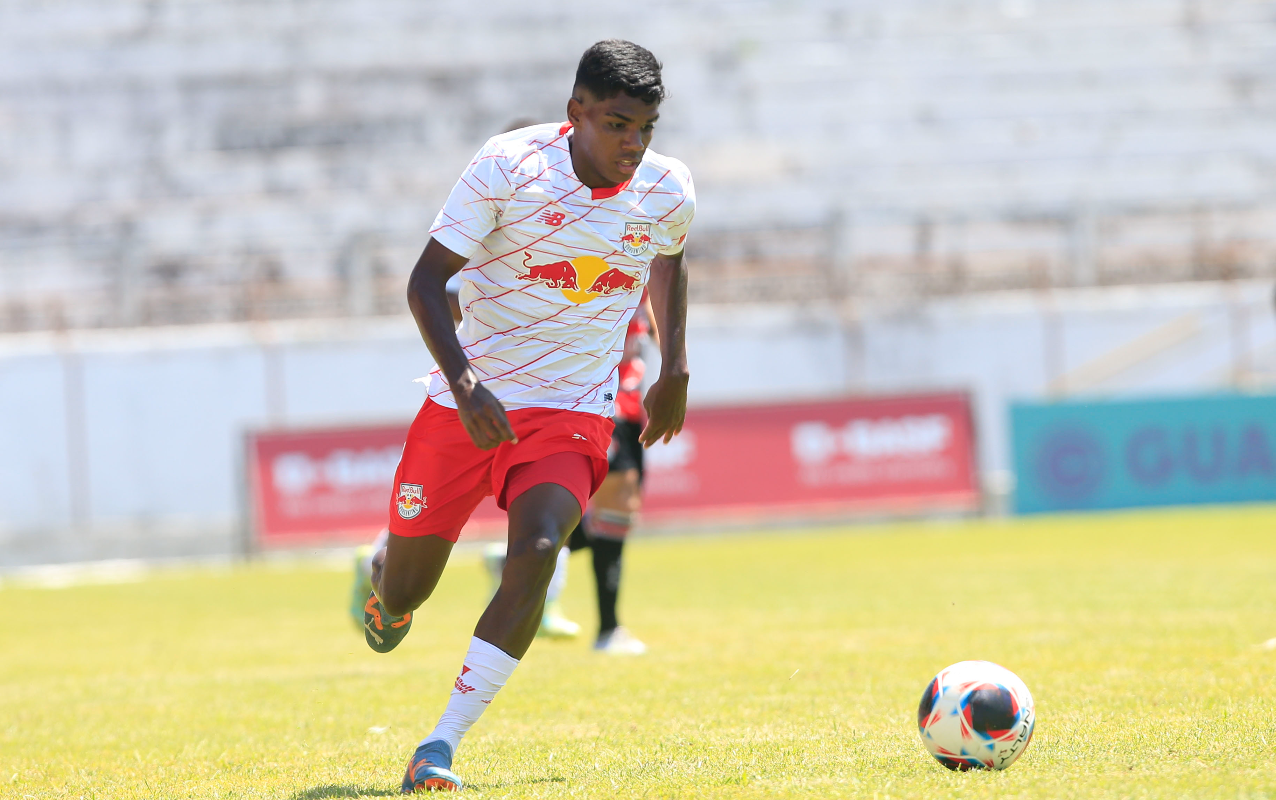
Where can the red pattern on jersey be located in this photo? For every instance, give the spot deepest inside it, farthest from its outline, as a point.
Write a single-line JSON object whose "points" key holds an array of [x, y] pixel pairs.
{"points": [[544, 304]]}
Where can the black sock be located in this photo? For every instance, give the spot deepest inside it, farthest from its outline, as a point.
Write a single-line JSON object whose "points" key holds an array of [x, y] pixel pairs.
{"points": [[578, 539], [607, 574]]}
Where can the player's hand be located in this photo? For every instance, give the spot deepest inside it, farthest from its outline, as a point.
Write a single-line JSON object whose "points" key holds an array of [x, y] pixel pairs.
{"points": [[666, 404], [481, 413]]}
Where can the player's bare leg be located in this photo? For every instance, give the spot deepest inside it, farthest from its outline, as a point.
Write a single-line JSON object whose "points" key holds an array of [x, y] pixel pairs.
{"points": [[554, 625], [406, 571], [404, 574], [539, 521]]}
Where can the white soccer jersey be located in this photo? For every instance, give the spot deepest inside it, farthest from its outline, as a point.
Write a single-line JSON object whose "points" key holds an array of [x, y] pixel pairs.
{"points": [[556, 269]]}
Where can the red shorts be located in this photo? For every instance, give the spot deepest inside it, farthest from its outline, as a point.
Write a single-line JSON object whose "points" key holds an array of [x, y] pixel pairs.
{"points": [[442, 476]]}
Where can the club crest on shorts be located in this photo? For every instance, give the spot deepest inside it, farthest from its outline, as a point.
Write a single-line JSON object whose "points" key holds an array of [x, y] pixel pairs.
{"points": [[637, 237], [411, 500]]}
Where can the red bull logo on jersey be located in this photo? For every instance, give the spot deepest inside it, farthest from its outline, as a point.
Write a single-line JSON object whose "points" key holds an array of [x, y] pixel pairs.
{"points": [[613, 281], [558, 275], [636, 238], [411, 500], [580, 279]]}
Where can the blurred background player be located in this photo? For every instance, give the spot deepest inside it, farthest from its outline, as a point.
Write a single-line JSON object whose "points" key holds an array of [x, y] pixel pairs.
{"points": [[612, 510], [617, 502]]}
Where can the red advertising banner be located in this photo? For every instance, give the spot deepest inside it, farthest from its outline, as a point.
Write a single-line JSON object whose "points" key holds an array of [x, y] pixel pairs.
{"points": [[331, 485], [322, 484], [884, 455]]}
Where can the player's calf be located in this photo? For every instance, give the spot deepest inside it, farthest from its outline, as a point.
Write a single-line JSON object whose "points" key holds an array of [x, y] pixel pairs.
{"points": [[540, 519], [404, 574]]}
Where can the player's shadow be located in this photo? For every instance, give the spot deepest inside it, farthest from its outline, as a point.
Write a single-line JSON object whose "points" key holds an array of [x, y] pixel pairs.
{"points": [[333, 790], [523, 782]]}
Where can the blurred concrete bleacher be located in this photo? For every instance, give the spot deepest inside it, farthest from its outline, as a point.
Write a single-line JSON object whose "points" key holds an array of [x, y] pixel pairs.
{"points": [[210, 160]]}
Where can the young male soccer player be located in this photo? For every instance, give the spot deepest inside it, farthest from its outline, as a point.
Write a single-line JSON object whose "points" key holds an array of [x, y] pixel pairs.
{"points": [[555, 230]]}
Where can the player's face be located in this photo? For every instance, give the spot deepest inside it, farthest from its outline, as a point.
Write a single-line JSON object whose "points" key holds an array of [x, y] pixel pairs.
{"points": [[610, 136]]}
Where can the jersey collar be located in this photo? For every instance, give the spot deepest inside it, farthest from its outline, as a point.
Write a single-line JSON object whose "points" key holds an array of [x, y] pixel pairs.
{"points": [[598, 194]]}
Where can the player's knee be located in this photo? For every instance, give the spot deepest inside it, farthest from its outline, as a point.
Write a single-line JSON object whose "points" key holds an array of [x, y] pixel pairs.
{"points": [[537, 555]]}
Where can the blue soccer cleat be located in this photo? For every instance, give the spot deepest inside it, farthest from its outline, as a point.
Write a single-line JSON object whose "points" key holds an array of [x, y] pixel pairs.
{"points": [[382, 631], [429, 770]]}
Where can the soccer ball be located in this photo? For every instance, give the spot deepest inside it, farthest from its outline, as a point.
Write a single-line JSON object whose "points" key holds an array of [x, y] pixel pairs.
{"points": [[976, 715]]}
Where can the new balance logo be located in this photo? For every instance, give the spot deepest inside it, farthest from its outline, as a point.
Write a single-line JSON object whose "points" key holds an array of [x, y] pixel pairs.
{"points": [[578, 436], [553, 218]]}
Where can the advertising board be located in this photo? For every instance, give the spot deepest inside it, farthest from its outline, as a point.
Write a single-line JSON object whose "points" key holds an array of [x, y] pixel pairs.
{"points": [[903, 454], [900, 454], [1121, 454]]}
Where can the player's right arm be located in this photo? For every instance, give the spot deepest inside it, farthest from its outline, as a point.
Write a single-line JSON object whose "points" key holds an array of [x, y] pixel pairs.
{"points": [[481, 413], [470, 214]]}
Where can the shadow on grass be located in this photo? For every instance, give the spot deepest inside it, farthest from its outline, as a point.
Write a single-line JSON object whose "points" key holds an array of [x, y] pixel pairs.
{"points": [[508, 784], [333, 790]]}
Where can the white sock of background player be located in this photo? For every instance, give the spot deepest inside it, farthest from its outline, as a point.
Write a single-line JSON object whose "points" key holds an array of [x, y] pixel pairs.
{"points": [[382, 538], [559, 581]]}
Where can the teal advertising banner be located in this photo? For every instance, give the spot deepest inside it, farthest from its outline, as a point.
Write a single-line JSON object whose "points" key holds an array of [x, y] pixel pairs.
{"points": [[1121, 454]]}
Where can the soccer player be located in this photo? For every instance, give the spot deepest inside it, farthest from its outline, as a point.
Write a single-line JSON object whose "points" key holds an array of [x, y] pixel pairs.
{"points": [[611, 515], [555, 229]]}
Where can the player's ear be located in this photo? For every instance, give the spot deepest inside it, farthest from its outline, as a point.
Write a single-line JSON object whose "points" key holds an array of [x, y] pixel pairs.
{"points": [[576, 108]]}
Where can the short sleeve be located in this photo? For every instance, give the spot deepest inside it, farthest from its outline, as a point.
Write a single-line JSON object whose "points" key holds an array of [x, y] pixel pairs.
{"points": [[474, 207], [679, 221]]}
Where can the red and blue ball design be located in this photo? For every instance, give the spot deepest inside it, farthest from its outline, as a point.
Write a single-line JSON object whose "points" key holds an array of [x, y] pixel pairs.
{"points": [[976, 715]]}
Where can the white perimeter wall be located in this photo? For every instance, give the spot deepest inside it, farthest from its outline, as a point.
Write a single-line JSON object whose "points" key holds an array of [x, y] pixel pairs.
{"points": [[128, 443]]}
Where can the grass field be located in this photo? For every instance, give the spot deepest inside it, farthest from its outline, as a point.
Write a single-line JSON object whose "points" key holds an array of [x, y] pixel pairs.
{"points": [[781, 665]]}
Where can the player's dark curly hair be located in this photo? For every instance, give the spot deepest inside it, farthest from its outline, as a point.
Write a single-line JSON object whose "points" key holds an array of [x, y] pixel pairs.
{"points": [[613, 66]]}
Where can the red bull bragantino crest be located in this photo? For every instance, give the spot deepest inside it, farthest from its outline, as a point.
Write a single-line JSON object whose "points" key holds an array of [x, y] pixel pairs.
{"points": [[636, 238], [580, 279], [411, 500]]}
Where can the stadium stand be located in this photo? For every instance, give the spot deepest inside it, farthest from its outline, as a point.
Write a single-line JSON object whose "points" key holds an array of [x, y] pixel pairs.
{"points": [[215, 160]]}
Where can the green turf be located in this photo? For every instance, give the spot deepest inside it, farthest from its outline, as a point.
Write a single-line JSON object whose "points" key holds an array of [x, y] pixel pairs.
{"points": [[781, 665]]}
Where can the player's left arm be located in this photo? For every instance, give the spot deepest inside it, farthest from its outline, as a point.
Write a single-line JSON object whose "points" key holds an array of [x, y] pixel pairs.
{"points": [[666, 400]]}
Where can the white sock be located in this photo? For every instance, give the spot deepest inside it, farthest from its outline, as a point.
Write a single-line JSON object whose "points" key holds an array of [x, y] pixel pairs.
{"points": [[484, 672], [559, 581]]}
